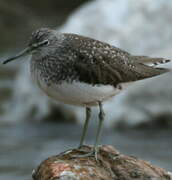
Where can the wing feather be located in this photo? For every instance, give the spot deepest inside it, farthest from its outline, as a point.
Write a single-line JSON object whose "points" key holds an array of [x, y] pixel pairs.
{"points": [[100, 63]]}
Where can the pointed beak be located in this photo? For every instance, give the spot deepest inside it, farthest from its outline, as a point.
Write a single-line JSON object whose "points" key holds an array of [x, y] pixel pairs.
{"points": [[21, 54]]}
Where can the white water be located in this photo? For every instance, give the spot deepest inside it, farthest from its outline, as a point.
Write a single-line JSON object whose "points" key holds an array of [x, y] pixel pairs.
{"points": [[141, 27]]}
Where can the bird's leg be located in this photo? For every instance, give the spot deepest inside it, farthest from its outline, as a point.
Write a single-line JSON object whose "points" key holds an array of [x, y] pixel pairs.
{"points": [[88, 115], [96, 148], [101, 120]]}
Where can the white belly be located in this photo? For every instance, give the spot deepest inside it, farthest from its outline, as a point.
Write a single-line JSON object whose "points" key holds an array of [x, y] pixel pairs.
{"points": [[80, 94]]}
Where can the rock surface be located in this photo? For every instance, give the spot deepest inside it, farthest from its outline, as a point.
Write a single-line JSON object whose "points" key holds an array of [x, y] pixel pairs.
{"points": [[110, 165]]}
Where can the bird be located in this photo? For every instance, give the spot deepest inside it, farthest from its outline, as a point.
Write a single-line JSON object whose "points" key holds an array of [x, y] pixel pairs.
{"points": [[83, 71]]}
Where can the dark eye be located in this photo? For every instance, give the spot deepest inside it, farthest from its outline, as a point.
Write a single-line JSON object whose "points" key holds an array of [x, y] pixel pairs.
{"points": [[43, 43], [46, 42], [40, 44]]}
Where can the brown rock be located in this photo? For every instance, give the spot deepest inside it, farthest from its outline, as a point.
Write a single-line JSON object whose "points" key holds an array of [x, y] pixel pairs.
{"points": [[110, 165]]}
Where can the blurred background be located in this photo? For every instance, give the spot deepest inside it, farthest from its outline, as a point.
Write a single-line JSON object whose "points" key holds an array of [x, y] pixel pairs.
{"points": [[138, 121]]}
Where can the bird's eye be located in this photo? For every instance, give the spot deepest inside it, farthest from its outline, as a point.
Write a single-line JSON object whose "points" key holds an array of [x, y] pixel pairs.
{"points": [[46, 42], [40, 44], [43, 43]]}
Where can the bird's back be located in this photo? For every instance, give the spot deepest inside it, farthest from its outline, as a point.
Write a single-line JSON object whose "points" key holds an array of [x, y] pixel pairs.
{"points": [[97, 62]]}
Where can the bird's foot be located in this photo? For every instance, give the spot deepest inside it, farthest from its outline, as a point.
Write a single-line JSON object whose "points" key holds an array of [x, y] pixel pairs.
{"points": [[88, 153]]}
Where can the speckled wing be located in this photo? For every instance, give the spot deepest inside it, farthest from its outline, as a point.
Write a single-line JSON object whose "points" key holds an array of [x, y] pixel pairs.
{"points": [[101, 63]]}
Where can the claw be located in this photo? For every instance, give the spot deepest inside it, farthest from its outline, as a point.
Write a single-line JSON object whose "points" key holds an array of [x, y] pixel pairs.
{"points": [[93, 153]]}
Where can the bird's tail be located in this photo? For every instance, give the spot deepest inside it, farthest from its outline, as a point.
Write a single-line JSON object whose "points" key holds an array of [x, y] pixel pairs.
{"points": [[149, 67], [151, 61]]}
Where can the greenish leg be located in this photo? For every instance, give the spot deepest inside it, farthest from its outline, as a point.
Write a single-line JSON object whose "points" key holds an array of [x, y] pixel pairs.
{"points": [[101, 119], [88, 115], [98, 134]]}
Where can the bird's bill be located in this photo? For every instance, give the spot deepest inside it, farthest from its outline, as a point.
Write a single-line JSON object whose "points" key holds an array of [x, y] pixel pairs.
{"points": [[21, 54]]}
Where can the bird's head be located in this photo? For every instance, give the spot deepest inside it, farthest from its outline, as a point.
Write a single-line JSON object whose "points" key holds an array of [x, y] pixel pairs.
{"points": [[38, 40]]}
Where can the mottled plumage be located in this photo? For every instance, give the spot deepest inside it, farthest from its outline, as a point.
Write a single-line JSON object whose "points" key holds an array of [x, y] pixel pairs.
{"points": [[82, 71], [71, 57]]}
